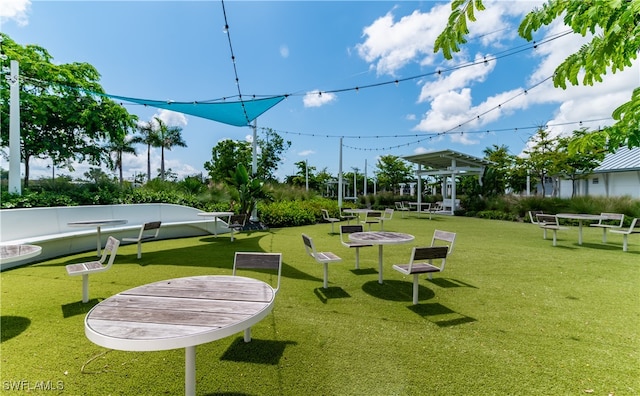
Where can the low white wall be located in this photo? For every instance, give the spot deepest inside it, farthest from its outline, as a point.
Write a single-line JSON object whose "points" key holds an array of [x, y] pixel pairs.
{"points": [[48, 227]]}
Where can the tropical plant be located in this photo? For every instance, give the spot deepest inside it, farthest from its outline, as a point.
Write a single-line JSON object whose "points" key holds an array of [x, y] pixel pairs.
{"points": [[117, 146], [168, 137], [393, 170], [62, 115], [615, 26], [149, 137], [247, 190]]}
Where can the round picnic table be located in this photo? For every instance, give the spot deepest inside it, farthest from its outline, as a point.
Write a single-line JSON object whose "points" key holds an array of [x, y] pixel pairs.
{"points": [[380, 238], [179, 313], [11, 253]]}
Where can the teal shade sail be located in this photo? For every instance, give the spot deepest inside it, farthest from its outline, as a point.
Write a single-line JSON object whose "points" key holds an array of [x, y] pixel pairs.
{"points": [[237, 113]]}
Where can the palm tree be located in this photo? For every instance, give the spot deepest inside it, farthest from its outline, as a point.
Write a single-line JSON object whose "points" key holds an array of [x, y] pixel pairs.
{"points": [[168, 137], [149, 136], [117, 146]]}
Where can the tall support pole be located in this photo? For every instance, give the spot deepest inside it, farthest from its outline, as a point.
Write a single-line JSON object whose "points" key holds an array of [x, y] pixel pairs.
{"points": [[306, 174], [454, 166], [340, 176], [14, 130], [419, 192], [365, 178], [254, 162]]}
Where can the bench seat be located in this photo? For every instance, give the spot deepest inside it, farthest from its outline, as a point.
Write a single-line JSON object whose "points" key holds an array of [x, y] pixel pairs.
{"points": [[49, 227]]}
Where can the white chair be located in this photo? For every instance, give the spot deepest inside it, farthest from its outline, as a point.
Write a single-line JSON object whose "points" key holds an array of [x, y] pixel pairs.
{"points": [[436, 207], [236, 224], [372, 218], [92, 267], [443, 238], [148, 231], [347, 216], [401, 208], [533, 214], [634, 228], [421, 262], [258, 261], [386, 215], [323, 258], [610, 221], [549, 222], [327, 218], [348, 229]]}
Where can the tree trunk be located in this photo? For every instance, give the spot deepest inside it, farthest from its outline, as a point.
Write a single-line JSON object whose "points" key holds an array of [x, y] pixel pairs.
{"points": [[26, 170], [148, 162]]}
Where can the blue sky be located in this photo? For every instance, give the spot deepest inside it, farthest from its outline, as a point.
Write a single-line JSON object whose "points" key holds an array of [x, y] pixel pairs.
{"points": [[177, 50]]}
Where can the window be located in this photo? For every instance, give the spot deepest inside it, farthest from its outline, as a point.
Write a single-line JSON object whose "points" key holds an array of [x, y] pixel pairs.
{"points": [[595, 180]]}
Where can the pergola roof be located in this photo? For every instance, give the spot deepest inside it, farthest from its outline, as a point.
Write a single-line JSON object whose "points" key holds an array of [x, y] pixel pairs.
{"points": [[441, 162]]}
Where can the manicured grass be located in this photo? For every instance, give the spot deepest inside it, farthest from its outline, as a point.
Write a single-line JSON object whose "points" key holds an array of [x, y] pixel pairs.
{"points": [[511, 315]]}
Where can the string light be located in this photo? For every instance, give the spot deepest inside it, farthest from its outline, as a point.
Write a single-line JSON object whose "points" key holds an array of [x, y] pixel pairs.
{"points": [[233, 61]]}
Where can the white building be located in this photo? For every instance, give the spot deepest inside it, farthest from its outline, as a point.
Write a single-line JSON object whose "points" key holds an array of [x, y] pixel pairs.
{"points": [[618, 175]]}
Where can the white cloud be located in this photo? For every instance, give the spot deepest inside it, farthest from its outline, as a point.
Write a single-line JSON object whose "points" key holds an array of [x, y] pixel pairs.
{"points": [[15, 10], [317, 99], [306, 153], [171, 118], [389, 45], [457, 79], [284, 51]]}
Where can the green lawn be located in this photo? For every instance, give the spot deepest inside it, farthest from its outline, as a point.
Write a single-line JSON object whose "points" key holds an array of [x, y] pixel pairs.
{"points": [[511, 315]]}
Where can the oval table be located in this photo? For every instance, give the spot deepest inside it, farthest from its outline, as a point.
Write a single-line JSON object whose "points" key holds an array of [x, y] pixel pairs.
{"points": [[11, 253], [216, 216], [380, 238], [179, 313], [580, 217], [98, 224]]}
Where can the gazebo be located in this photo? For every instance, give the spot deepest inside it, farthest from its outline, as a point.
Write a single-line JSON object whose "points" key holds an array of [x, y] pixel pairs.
{"points": [[449, 164]]}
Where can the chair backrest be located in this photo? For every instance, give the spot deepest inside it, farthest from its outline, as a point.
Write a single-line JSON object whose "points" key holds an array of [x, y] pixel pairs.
{"points": [[237, 220], [547, 220], [110, 249], [325, 214], [308, 245], [533, 214], [153, 226], [613, 219], [399, 206], [259, 261], [428, 254], [635, 225], [438, 206], [388, 214], [349, 229], [443, 238], [372, 216]]}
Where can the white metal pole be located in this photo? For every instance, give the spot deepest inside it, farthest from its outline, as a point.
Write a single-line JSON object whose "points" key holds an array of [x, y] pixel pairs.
{"points": [[365, 178], [340, 177], [306, 176], [14, 130]]}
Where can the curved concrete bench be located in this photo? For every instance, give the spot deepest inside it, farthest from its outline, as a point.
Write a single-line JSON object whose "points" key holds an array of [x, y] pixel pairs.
{"points": [[49, 228]]}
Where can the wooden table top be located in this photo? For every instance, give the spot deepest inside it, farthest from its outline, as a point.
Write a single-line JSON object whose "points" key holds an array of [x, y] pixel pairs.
{"points": [[178, 313], [10, 253], [580, 216], [381, 237]]}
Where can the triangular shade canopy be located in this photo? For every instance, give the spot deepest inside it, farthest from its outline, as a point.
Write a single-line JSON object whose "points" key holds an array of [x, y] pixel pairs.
{"points": [[239, 113]]}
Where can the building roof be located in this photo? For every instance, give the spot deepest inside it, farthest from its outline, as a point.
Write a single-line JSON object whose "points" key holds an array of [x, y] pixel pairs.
{"points": [[442, 161], [623, 160]]}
